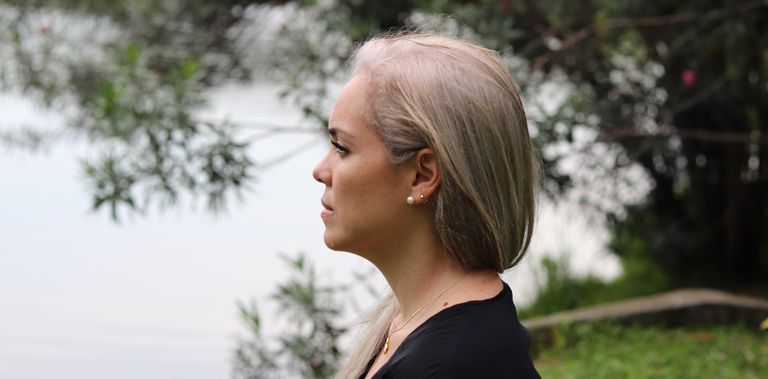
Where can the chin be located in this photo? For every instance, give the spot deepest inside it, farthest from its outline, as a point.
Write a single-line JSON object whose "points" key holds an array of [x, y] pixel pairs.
{"points": [[330, 245], [336, 243], [331, 242]]}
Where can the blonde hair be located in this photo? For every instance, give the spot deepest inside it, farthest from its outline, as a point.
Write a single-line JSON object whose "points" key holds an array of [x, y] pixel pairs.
{"points": [[458, 99]]}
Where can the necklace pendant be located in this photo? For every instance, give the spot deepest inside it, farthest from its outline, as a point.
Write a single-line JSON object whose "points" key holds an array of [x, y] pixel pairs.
{"points": [[386, 345]]}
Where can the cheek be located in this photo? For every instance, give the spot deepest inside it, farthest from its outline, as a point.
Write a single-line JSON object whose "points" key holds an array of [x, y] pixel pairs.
{"points": [[373, 190]]}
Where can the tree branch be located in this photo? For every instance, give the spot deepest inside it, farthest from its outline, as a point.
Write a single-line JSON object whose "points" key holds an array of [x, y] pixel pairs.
{"points": [[685, 17], [696, 98], [651, 21], [290, 154], [623, 133]]}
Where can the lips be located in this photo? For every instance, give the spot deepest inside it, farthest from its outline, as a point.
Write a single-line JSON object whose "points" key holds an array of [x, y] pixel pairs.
{"points": [[326, 212]]}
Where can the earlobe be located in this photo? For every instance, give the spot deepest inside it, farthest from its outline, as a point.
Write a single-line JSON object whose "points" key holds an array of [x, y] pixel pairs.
{"points": [[411, 201]]}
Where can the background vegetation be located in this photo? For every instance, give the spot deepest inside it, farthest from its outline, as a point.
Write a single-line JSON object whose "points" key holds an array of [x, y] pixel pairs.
{"points": [[610, 351], [660, 105]]}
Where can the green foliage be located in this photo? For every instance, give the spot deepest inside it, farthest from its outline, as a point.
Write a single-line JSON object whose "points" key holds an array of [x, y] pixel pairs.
{"points": [[253, 358], [672, 88], [560, 290], [610, 351], [307, 346], [675, 89], [132, 77]]}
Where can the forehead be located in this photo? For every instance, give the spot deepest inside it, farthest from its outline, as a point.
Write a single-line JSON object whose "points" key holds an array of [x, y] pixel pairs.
{"points": [[350, 107], [353, 99]]}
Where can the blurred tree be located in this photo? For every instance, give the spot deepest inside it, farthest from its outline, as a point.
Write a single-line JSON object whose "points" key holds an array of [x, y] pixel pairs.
{"points": [[130, 76], [308, 345], [677, 89], [682, 88], [674, 92]]}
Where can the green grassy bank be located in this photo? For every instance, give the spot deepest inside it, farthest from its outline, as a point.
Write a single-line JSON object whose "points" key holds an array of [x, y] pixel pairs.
{"points": [[610, 351]]}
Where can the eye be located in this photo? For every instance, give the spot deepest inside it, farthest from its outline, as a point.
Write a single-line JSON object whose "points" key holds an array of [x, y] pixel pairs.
{"points": [[340, 149]]}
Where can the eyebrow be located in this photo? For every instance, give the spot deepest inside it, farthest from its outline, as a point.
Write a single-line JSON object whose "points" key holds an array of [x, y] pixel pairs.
{"points": [[334, 131]]}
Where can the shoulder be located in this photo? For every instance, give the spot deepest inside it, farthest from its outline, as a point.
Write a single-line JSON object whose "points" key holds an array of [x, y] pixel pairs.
{"points": [[480, 339]]}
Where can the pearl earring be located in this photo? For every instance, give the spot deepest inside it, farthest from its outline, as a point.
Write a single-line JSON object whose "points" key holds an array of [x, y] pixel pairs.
{"points": [[410, 200]]}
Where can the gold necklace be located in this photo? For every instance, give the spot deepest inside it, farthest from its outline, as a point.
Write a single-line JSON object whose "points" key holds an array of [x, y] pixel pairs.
{"points": [[389, 335]]}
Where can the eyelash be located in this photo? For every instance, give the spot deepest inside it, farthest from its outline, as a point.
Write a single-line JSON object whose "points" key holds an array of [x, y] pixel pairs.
{"points": [[340, 149]]}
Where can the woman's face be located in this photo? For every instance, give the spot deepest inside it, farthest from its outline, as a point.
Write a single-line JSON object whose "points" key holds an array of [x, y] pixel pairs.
{"points": [[364, 207]]}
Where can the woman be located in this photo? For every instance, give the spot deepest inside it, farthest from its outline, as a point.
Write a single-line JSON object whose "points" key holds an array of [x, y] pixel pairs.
{"points": [[431, 178]]}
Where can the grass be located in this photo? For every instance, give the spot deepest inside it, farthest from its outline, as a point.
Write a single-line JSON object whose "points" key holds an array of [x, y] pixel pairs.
{"points": [[611, 351], [607, 350]]}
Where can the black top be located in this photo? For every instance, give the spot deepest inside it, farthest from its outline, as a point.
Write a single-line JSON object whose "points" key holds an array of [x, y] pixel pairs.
{"points": [[480, 339]]}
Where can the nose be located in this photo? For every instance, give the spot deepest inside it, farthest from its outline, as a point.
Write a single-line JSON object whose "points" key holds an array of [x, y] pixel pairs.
{"points": [[322, 171]]}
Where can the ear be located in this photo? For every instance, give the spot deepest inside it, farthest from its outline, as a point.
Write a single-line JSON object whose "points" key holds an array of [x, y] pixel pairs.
{"points": [[427, 177]]}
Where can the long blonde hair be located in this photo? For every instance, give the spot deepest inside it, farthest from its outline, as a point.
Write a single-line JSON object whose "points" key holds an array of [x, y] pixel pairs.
{"points": [[458, 99]]}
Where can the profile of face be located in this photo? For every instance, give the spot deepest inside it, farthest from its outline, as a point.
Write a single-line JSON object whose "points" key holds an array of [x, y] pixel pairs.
{"points": [[364, 208]]}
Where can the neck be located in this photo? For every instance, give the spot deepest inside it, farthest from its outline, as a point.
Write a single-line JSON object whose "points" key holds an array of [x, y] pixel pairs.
{"points": [[417, 269], [422, 284], [418, 272]]}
